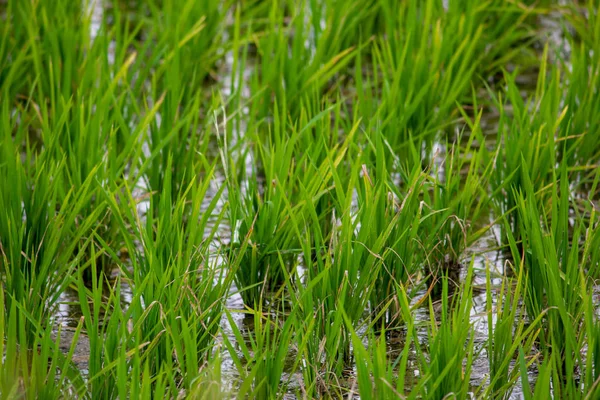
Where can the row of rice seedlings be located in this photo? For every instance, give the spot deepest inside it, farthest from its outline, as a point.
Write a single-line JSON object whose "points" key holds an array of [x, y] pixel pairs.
{"points": [[502, 360], [555, 123], [300, 59], [162, 335], [91, 138], [58, 149], [370, 253], [356, 265], [558, 283]]}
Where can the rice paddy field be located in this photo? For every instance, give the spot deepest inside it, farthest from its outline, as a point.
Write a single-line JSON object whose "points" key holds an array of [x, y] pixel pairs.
{"points": [[312, 199]]}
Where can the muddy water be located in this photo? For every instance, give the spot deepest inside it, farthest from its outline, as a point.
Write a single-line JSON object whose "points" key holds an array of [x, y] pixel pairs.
{"points": [[69, 314]]}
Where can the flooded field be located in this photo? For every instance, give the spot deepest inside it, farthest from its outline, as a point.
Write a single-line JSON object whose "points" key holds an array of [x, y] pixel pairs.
{"points": [[369, 199]]}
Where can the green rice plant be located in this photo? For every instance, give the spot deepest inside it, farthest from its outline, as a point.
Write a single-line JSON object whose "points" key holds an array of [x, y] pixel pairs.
{"points": [[289, 68], [508, 333], [292, 169], [341, 272], [390, 217], [551, 257], [379, 377], [581, 125], [258, 215], [92, 105], [75, 101], [525, 139], [338, 272], [263, 362], [450, 345], [457, 199], [41, 240], [41, 370], [178, 287]]}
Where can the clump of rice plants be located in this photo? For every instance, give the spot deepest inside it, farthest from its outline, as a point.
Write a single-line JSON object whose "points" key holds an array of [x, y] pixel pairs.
{"points": [[528, 139], [581, 124], [557, 283], [450, 345]]}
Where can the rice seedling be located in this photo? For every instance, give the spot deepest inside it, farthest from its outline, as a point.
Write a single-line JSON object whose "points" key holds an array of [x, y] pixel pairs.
{"points": [[376, 374], [40, 370], [350, 268], [557, 281], [41, 239], [257, 214], [450, 346], [265, 358], [581, 126], [290, 68], [508, 334], [177, 288], [526, 139], [390, 223], [456, 198]]}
